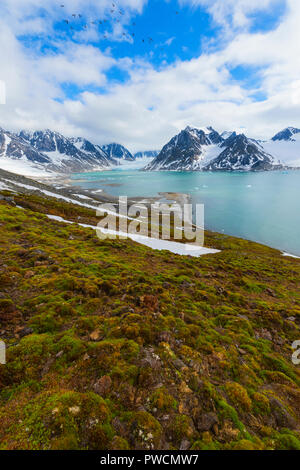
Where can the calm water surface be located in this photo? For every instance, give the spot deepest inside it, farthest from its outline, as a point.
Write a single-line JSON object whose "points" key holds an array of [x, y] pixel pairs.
{"points": [[262, 207]]}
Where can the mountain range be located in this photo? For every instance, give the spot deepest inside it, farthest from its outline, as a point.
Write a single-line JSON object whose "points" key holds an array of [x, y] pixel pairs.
{"points": [[207, 150], [44, 152]]}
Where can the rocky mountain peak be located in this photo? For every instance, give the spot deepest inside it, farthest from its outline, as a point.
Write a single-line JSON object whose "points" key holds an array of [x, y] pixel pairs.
{"points": [[286, 134]]}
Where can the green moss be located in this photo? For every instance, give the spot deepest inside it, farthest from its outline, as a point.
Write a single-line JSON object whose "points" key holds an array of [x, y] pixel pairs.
{"points": [[288, 442], [238, 395], [181, 426], [162, 400], [149, 330], [146, 430]]}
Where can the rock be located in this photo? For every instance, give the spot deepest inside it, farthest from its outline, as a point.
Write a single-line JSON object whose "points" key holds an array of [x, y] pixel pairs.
{"points": [[119, 426], [185, 444], [178, 363], [25, 332], [151, 359], [195, 365], [282, 416], [207, 421], [165, 337], [271, 292], [242, 351], [9, 199], [228, 433], [186, 284], [59, 354], [279, 341], [265, 334], [103, 385]]}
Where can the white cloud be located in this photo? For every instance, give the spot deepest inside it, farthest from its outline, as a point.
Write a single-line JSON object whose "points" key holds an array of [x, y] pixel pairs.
{"points": [[232, 12], [152, 105]]}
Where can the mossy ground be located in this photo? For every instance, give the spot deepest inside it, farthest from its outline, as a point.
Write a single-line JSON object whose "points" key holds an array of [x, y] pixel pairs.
{"points": [[114, 346]]}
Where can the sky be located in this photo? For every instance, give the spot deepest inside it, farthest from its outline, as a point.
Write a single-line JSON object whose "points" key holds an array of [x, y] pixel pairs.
{"points": [[137, 72]]}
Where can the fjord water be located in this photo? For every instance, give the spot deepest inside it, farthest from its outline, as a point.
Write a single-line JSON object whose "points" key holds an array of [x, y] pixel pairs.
{"points": [[262, 207]]}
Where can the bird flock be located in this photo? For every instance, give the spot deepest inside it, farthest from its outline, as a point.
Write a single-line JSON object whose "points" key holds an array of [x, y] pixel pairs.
{"points": [[114, 15]]}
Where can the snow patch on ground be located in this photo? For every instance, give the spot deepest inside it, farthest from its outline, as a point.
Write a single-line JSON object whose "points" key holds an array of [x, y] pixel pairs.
{"points": [[290, 256], [174, 247], [3, 186]]}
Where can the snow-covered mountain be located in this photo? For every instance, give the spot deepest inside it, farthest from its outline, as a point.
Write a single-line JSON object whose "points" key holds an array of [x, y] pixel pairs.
{"points": [[43, 152], [17, 155], [191, 149], [117, 152], [241, 154], [285, 147], [146, 154], [287, 134], [207, 150], [66, 154]]}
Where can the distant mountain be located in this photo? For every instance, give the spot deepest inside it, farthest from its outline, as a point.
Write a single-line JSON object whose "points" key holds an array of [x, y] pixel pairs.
{"points": [[285, 147], [48, 151], [205, 149], [191, 149], [241, 153], [287, 134], [118, 152], [43, 151], [92, 150], [146, 154], [66, 154], [15, 147]]}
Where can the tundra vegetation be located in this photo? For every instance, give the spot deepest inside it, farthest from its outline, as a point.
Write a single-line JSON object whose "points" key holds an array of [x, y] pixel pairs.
{"points": [[112, 345]]}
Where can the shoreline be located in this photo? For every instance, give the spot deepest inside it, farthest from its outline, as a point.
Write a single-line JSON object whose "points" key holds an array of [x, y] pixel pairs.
{"points": [[61, 186]]}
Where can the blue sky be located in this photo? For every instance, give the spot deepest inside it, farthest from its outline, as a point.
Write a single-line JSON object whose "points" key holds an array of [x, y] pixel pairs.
{"points": [[162, 33], [157, 65]]}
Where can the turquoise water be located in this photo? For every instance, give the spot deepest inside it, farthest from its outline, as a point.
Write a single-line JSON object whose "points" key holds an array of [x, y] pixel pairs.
{"points": [[262, 207]]}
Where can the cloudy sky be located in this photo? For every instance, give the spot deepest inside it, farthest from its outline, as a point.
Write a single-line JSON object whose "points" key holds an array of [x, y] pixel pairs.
{"points": [[138, 71]]}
